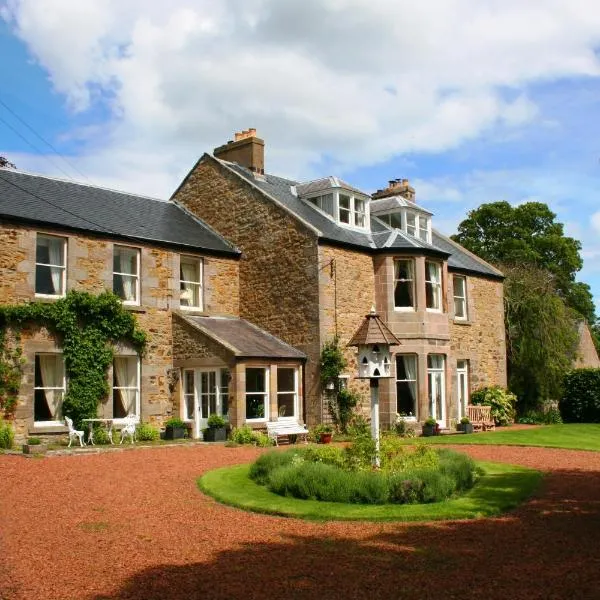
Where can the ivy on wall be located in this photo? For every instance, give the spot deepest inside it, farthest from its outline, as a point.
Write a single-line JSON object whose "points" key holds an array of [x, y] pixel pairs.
{"points": [[86, 327]]}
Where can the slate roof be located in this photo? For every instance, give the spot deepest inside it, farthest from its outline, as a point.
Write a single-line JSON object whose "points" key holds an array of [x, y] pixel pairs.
{"points": [[42, 200], [381, 237], [242, 338]]}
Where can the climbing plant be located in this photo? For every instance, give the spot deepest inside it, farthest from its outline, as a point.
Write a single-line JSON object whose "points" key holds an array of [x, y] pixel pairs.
{"points": [[85, 326]]}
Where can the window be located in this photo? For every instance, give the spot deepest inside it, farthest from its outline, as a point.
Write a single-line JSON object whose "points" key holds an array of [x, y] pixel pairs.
{"points": [[433, 286], [188, 394], [257, 404], [411, 227], [324, 202], [224, 392], [126, 281], [359, 212], [49, 388], [462, 382], [207, 394], [190, 282], [423, 229], [126, 386], [50, 265], [404, 284], [436, 383], [460, 297], [344, 209], [287, 392], [406, 385]]}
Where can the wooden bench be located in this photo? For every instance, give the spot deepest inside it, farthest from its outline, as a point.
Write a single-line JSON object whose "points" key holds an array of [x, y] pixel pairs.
{"points": [[481, 417], [277, 429]]}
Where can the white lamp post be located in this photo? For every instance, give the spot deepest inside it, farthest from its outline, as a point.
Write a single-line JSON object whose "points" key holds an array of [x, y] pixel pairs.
{"points": [[373, 339]]}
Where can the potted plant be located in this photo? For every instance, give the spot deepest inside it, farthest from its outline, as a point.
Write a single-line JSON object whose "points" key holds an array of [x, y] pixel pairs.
{"points": [[465, 425], [175, 429], [430, 427], [325, 434], [216, 431], [34, 446]]}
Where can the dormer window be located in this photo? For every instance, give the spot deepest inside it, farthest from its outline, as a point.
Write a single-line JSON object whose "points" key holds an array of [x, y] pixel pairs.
{"points": [[324, 202], [408, 221]]}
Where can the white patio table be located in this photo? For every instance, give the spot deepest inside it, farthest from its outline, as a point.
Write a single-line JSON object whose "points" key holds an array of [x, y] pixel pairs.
{"points": [[90, 422]]}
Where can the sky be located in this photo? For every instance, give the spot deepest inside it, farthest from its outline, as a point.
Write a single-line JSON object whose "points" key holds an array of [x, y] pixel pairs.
{"points": [[474, 101]]}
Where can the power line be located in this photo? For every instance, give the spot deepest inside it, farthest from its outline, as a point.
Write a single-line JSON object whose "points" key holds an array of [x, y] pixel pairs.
{"points": [[14, 114]]}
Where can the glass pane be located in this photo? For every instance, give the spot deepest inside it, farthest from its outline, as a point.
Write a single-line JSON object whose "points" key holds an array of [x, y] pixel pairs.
{"points": [[50, 250], [459, 308], [435, 361], [405, 402], [410, 219], [125, 260], [189, 270], [188, 382], [189, 294], [423, 222], [285, 405], [459, 286], [345, 202], [404, 269], [326, 203], [255, 406], [49, 370], [396, 220], [189, 407], [48, 280], [403, 294], [125, 286], [255, 380], [125, 371], [286, 380]]}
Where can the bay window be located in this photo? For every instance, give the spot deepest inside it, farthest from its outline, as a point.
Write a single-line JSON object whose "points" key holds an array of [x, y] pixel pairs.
{"points": [[50, 265], [126, 268], [404, 284], [126, 386], [257, 398], [433, 286], [459, 284], [406, 385], [49, 388], [190, 282]]}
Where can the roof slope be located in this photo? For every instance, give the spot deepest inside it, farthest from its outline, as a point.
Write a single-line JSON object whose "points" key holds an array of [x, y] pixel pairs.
{"points": [[380, 238], [38, 199], [242, 338]]}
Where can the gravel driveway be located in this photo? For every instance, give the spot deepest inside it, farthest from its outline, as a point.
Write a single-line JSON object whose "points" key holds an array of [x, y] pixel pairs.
{"points": [[133, 524]]}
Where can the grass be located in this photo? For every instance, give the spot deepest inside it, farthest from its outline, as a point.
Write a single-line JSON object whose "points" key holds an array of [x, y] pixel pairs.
{"points": [[575, 436], [501, 488]]}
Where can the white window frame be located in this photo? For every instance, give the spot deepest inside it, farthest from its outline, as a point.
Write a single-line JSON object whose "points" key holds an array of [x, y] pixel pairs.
{"points": [[462, 385], [185, 395], [432, 404], [200, 283], [436, 287], [138, 251], [404, 214], [354, 214], [266, 394], [456, 297], [63, 267], [295, 391], [137, 388], [414, 289], [425, 229], [416, 381], [63, 389]]}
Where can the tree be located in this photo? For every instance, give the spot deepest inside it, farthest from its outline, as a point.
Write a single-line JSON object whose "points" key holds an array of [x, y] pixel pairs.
{"points": [[528, 235], [4, 162]]}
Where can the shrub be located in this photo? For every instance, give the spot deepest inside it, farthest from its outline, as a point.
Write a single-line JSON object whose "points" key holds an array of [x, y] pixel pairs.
{"points": [[267, 463], [459, 467], [101, 436], [429, 422], [175, 423], [328, 455], [216, 421], [317, 430], [540, 417], [34, 441], [7, 435], [262, 440], [147, 433], [580, 402], [502, 403], [242, 435], [401, 428]]}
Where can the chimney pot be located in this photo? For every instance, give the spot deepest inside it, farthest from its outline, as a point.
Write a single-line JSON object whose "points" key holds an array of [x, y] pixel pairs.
{"points": [[396, 187], [246, 149]]}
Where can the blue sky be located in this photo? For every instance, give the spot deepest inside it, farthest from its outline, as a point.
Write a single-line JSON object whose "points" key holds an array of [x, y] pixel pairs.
{"points": [[472, 101]]}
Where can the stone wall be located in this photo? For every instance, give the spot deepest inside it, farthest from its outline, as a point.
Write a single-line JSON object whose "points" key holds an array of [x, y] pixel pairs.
{"points": [[587, 356], [278, 270]]}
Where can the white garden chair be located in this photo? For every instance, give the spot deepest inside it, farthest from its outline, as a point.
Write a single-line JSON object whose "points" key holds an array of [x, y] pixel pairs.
{"points": [[130, 422], [74, 433]]}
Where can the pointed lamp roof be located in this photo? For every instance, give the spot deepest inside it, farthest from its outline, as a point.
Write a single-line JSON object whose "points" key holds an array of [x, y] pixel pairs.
{"points": [[373, 331]]}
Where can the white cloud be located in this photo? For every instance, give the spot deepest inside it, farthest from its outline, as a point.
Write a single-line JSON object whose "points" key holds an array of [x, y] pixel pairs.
{"points": [[595, 220], [353, 81]]}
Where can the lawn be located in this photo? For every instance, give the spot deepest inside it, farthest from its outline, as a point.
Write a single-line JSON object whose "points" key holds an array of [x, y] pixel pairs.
{"points": [[576, 436], [501, 488]]}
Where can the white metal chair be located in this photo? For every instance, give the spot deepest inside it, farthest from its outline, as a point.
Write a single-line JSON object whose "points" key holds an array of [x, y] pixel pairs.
{"points": [[74, 433], [130, 422]]}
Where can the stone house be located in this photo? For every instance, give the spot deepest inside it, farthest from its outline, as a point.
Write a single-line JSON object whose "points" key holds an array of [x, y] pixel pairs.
{"points": [[318, 255], [179, 277]]}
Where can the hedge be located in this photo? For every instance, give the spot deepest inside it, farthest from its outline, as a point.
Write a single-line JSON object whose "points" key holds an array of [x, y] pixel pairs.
{"points": [[580, 402]]}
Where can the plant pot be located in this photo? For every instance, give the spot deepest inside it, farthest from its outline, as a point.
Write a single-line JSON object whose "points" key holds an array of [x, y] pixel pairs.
{"points": [[465, 427], [35, 448], [215, 434], [325, 438], [174, 433], [429, 430]]}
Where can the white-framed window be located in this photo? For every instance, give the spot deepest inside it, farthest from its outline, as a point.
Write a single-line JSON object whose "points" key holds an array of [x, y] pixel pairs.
{"points": [[433, 286], [436, 383], [126, 386], [360, 215], [287, 392], [459, 284], [424, 228], [189, 391], [50, 265], [190, 282], [257, 394], [325, 202], [404, 284], [49, 389], [462, 384], [411, 223], [345, 210], [406, 385], [126, 274]]}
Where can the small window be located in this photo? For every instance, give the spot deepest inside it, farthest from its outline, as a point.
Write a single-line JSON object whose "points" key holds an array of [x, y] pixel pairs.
{"points": [[126, 267], [344, 209], [411, 227], [49, 388], [126, 386], [190, 282], [188, 394], [257, 400], [50, 265], [406, 385], [433, 286], [359, 212], [460, 297], [404, 284], [287, 392], [423, 229]]}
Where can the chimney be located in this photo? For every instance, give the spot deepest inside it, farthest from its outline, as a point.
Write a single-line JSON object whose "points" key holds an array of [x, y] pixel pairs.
{"points": [[396, 187], [246, 150]]}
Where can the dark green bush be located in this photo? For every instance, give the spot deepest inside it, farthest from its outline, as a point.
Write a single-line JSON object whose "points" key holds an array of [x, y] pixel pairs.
{"points": [[175, 422], [267, 463], [502, 402], [580, 402], [101, 436], [540, 417], [459, 467], [34, 441], [147, 433]]}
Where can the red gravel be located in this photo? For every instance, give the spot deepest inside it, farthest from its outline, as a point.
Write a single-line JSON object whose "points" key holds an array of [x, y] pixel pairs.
{"points": [[134, 525]]}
